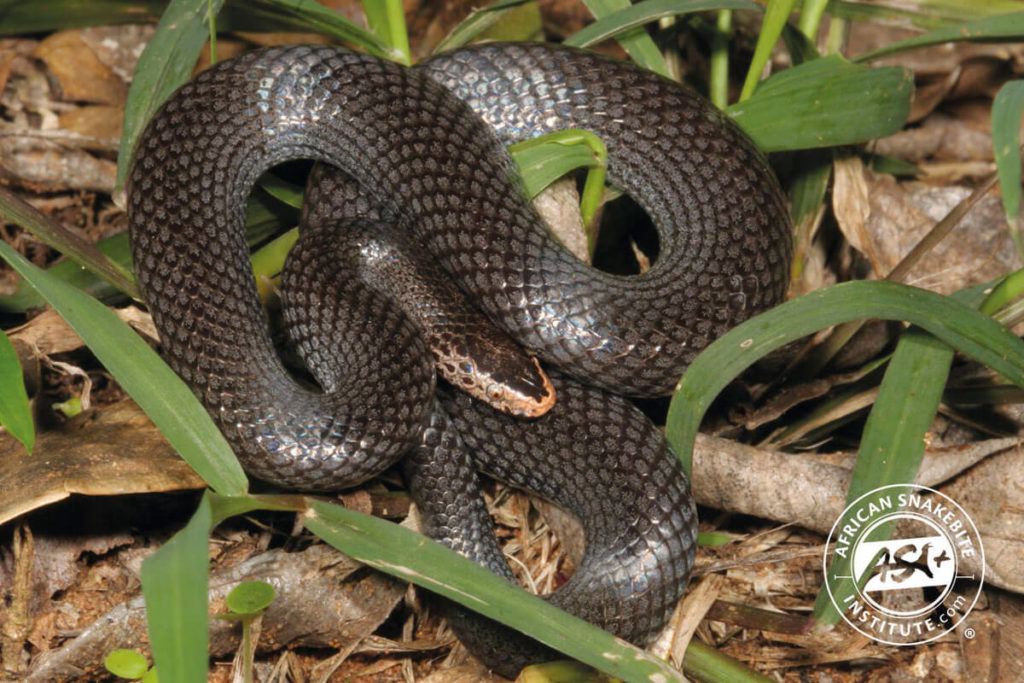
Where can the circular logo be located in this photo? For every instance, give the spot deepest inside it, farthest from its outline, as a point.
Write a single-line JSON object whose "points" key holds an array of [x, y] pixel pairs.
{"points": [[907, 564]]}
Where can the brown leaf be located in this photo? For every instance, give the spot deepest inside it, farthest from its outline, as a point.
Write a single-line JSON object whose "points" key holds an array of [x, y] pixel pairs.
{"points": [[115, 450], [81, 75]]}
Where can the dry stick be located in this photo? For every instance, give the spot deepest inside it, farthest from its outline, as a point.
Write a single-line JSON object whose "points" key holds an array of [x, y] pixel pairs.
{"points": [[811, 360]]}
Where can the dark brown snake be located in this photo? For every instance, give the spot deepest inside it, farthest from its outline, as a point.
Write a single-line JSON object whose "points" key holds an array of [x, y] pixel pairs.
{"points": [[423, 151]]}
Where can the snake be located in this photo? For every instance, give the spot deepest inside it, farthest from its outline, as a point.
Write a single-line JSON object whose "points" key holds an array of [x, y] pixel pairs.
{"points": [[420, 178]]}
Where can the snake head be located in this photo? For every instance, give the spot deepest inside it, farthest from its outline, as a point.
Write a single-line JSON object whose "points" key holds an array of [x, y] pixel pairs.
{"points": [[527, 393], [514, 385]]}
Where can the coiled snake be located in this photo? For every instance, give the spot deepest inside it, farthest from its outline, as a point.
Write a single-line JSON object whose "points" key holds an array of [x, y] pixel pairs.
{"points": [[422, 151]]}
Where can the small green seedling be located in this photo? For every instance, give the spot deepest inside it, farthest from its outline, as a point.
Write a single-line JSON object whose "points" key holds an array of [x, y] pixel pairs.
{"points": [[247, 601], [69, 408], [131, 665], [563, 672]]}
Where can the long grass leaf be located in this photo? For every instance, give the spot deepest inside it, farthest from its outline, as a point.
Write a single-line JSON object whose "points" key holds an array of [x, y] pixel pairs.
{"points": [[776, 15], [165, 64], [892, 445], [615, 20], [175, 581], [1007, 111], [634, 40], [303, 15], [478, 22], [410, 556], [1000, 27], [386, 19], [18, 17], [825, 102], [960, 326], [925, 14], [139, 370], [264, 217], [15, 410], [55, 235]]}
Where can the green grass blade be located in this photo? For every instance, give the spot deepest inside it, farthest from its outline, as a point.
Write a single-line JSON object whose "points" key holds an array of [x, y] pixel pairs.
{"points": [[825, 102], [264, 217], [634, 40], [1003, 293], [410, 556], [614, 19], [479, 22], [26, 297], [926, 14], [1001, 27], [165, 64], [1007, 111], [544, 159], [810, 17], [960, 326], [892, 445], [705, 663], [775, 17], [175, 582], [141, 372], [18, 17], [15, 410], [718, 69], [386, 19], [302, 15], [55, 235], [813, 170]]}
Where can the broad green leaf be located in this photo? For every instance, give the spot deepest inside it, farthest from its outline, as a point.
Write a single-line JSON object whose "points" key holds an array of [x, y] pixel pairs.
{"points": [[959, 326], [1007, 112], [1001, 27], [825, 102], [140, 371], [410, 556], [15, 410], [175, 583], [165, 64], [775, 17], [634, 40]]}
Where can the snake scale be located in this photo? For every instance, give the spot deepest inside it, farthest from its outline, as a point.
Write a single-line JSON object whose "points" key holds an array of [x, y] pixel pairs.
{"points": [[421, 172]]}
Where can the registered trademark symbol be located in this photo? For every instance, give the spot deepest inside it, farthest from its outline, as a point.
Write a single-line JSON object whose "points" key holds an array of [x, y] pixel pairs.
{"points": [[969, 633]]}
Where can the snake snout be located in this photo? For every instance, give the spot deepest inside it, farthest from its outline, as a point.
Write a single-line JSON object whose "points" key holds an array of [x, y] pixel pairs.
{"points": [[528, 393]]}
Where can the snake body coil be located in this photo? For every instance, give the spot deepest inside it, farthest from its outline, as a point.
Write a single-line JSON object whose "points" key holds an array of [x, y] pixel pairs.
{"points": [[435, 165]]}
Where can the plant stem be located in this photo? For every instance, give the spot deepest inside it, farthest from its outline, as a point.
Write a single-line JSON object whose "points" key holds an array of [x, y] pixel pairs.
{"points": [[719, 76]]}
